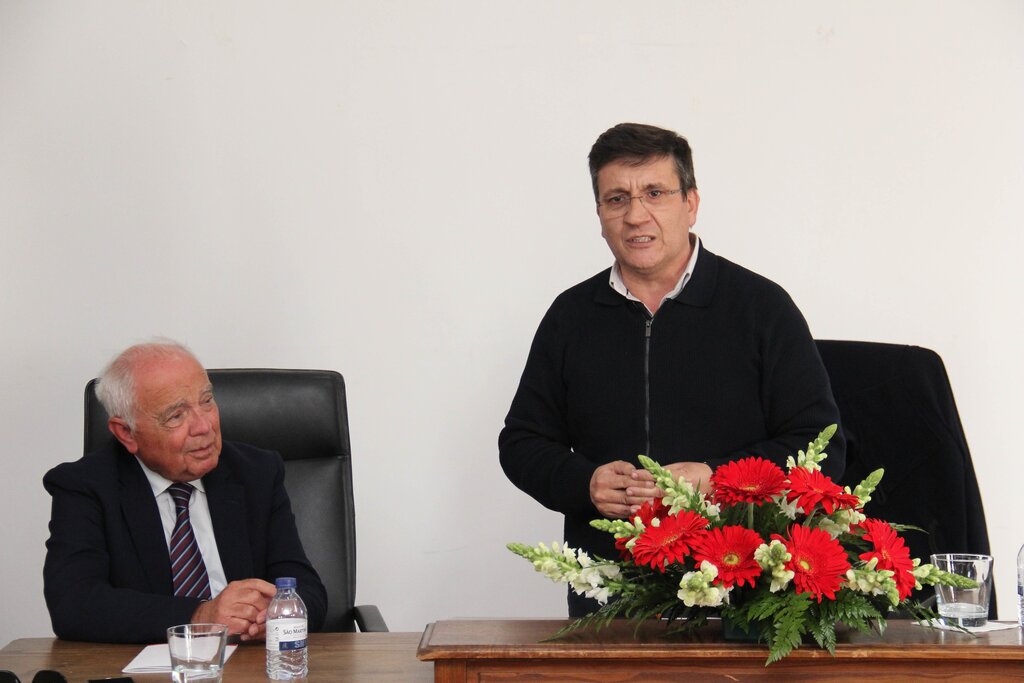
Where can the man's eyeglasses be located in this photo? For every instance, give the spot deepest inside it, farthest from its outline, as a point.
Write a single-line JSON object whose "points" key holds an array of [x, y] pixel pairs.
{"points": [[618, 204]]}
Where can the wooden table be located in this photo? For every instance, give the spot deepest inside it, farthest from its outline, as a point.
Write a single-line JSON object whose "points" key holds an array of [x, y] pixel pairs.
{"points": [[478, 650], [355, 657], [509, 650]]}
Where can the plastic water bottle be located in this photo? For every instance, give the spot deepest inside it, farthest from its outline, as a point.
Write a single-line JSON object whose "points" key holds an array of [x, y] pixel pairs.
{"points": [[1020, 586], [286, 633]]}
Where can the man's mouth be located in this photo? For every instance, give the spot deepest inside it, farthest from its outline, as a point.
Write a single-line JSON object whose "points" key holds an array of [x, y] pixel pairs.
{"points": [[640, 240]]}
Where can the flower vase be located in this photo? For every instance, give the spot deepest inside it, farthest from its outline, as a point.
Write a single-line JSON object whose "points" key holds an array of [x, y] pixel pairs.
{"points": [[732, 632]]}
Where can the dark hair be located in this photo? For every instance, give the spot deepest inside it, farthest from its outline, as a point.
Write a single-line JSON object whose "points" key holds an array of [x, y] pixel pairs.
{"points": [[638, 143]]}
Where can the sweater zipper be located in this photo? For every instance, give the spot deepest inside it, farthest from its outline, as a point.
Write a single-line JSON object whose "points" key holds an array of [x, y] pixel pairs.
{"points": [[647, 386]]}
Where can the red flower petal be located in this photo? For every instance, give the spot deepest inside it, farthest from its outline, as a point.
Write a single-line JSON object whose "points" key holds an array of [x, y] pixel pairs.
{"points": [[818, 562], [750, 480], [731, 550], [650, 510], [892, 553], [811, 488], [670, 541]]}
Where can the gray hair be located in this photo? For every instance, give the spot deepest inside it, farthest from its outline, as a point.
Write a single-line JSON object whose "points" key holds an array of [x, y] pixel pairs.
{"points": [[116, 386]]}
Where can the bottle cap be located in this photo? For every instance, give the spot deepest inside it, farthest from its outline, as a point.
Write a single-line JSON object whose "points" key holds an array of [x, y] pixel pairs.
{"points": [[284, 582]]}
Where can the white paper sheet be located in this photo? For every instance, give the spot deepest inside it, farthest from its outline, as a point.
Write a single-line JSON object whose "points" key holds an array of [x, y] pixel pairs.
{"points": [[990, 626], [156, 659]]}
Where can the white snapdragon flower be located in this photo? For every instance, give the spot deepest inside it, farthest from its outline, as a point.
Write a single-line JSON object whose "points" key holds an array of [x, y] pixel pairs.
{"points": [[679, 497], [802, 460], [564, 564], [926, 574], [549, 567], [864, 489], [872, 581], [840, 521], [590, 581], [790, 510], [695, 587], [713, 510], [815, 453], [773, 558], [568, 553]]}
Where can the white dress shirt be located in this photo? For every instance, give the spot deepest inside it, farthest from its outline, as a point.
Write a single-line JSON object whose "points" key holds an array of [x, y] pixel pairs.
{"points": [[202, 525], [615, 279]]}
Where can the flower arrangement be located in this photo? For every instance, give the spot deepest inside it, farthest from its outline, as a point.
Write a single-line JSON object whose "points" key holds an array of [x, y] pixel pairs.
{"points": [[778, 556]]}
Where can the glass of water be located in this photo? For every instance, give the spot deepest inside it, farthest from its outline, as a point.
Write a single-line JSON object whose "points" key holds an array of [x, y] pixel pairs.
{"points": [[197, 652], [965, 607]]}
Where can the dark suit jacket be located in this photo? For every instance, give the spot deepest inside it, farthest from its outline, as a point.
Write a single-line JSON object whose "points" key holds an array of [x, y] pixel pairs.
{"points": [[107, 574]]}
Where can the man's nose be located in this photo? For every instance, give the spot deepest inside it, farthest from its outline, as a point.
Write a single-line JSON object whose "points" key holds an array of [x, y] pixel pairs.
{"points": [[200, 423], [637, 211]]}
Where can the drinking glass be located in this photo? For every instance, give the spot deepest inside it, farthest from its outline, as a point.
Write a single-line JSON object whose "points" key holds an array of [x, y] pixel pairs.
{"points": [[197, 652], [964, 606]]}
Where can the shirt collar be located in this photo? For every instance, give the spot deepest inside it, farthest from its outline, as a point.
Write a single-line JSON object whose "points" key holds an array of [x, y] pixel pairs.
{"points": [[616, 283], [160, 483]]}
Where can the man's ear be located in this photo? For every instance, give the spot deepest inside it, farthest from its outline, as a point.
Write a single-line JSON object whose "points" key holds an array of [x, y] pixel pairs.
{"points": [[123, 433], [693, 203]]}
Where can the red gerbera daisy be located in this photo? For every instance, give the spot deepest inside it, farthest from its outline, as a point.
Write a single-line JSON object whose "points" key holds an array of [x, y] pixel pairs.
{"points": [[731, 550], [670, 541], [650, 510], [750, 480], [812, 487], [819, 563], [892, 553]]}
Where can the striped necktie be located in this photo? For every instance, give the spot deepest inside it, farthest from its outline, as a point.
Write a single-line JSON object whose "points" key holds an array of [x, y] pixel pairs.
{"points": [[188, 571]]}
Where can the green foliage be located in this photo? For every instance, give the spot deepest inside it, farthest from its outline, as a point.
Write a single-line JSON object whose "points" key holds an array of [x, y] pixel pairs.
{"points": [[856, 610], [784, 618], [788, 626], [824, 632]]}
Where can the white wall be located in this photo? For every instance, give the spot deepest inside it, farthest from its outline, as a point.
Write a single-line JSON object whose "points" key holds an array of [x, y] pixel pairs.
{"points": [[397, 190]]}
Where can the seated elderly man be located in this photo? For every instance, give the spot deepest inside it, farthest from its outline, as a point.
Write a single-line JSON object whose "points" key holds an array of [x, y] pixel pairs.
{"points": [[168, 524]]}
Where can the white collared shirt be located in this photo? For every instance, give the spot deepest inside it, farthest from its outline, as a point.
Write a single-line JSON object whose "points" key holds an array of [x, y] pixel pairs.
{"points": [[199, 516], [615, 279]]}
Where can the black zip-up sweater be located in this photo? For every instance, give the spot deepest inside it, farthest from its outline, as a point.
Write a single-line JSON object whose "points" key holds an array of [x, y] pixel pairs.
{"points": [[726, 370]]}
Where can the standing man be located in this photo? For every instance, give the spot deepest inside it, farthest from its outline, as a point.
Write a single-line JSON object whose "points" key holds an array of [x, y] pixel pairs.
{"points": [[673, 352], [168, 524]]}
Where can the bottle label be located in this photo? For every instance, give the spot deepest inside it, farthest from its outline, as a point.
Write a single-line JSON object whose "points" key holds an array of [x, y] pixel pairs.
{"points": [[286, 634]]}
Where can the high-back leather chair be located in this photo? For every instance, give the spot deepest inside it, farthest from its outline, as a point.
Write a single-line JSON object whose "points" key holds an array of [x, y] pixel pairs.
{"points": [[301, 414], [898, 412]]}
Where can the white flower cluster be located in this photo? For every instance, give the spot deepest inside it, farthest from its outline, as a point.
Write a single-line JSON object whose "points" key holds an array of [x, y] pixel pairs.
{"points": [[868, 486], [927, 574], [790, 510], [695, 588], [815, 451], [773, 558], [840, 521], [679, 493], [563, 564], [872, 581]]}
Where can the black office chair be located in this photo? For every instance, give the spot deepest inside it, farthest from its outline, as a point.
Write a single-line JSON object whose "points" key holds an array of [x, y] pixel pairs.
{"points": [[898, 412], [301, 414]]}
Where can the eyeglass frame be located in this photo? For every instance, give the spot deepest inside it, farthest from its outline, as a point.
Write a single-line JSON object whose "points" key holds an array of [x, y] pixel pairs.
{"points": [[625, 207]]}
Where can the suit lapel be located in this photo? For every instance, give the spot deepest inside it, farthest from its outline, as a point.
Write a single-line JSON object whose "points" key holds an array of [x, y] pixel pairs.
{"points": [[143, 520], [226, 499]]}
